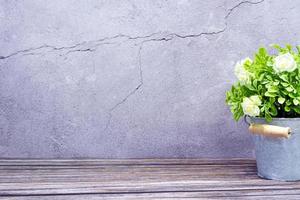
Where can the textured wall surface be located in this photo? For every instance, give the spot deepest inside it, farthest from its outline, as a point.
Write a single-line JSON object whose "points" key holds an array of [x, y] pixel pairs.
{"points": [[129, 79]]}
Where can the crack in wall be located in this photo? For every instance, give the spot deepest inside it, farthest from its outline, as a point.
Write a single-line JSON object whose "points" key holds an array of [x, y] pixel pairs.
{"points": [[166, 39], [97, 43], [141, 82], [240, 4], [90, 46], [73, 48]]}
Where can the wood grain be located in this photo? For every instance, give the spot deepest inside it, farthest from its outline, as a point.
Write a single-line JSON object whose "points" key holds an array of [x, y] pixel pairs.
{"points": [[138, 179]]}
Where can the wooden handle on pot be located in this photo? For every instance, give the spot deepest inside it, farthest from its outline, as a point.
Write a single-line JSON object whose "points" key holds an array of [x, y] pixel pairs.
{"points": [[270, 130]]}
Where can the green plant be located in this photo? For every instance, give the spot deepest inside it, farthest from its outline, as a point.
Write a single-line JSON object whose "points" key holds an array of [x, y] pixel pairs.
{"points": [[268, 86]]}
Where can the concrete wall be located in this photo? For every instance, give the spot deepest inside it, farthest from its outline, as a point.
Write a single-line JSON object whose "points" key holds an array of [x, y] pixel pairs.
{"points": [[129, 79]]}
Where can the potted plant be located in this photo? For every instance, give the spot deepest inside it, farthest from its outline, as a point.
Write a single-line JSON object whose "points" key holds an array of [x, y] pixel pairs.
{"points": [[267, 94]]}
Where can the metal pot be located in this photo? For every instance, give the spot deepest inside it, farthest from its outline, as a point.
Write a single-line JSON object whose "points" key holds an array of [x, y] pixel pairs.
{"points": [[278, 158]]}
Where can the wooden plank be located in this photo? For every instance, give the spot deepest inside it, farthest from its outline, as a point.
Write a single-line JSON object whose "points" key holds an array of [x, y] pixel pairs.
{"points": [[138, 187], [137, 179], [245, 194], [123, 162]]}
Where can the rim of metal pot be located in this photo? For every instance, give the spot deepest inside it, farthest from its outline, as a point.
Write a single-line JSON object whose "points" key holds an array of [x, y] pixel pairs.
{"points": [[278, 119], [247, 119]]}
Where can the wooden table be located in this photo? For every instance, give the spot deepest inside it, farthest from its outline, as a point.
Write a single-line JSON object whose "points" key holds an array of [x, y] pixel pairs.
{"points": [[138, 179]]}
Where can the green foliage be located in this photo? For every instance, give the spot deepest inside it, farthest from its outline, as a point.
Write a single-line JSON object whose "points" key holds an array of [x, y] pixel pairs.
{"points": [[279, 92]]}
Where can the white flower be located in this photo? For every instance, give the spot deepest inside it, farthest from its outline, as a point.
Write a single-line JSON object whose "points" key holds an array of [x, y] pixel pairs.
{"points": [[251, 105], [284, 62], [241, 73]]}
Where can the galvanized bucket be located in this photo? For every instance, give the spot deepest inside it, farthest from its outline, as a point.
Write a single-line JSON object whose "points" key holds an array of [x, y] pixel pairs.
{"points": [[278, 158]]}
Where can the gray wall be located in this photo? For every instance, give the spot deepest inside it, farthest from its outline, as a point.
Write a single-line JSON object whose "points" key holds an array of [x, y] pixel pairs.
{"points": [[129, 79]]}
